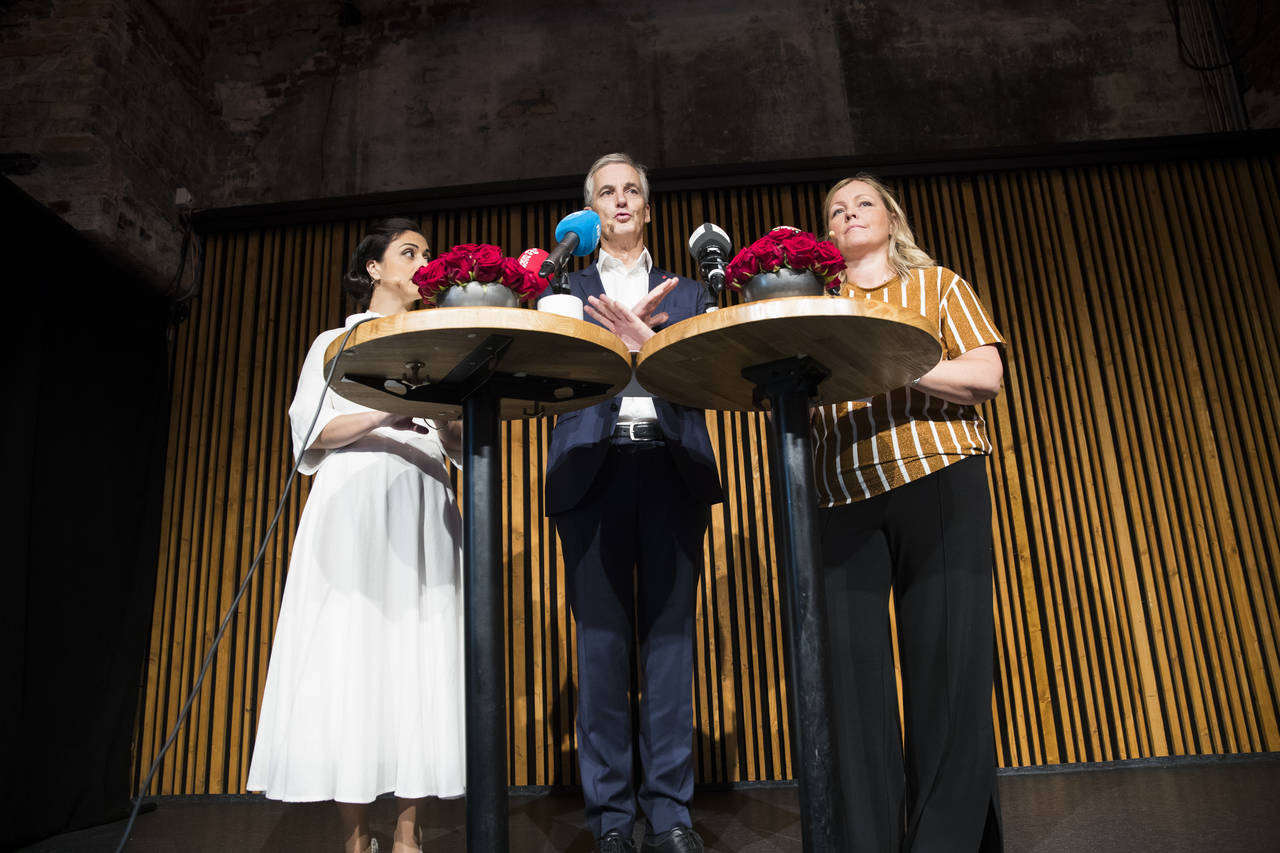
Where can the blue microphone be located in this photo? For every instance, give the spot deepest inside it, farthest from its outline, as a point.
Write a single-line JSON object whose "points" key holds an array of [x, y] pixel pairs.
{"points": [[579, 234], [586, 225]]}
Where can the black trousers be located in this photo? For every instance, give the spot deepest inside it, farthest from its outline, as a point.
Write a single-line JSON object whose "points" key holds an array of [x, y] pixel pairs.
{"points": [[633, 556], [930, 541]]}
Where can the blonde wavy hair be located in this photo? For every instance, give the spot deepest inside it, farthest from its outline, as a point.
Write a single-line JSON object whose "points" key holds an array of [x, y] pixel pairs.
{"points": [[904, 254]]}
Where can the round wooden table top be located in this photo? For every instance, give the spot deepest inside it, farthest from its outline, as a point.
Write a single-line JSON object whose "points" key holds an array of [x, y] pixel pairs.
{"points": [[869, 347], [422, 348]]}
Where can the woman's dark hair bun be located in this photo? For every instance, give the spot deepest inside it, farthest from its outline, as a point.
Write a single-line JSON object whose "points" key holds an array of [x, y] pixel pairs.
{"points": [[356, 281]]}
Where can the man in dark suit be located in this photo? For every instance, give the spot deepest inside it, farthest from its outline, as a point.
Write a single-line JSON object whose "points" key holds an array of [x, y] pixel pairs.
{"points": [[630, 483]]}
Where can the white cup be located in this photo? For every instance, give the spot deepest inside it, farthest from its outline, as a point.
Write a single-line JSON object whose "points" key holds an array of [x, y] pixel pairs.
{"points": [[564, 304]]}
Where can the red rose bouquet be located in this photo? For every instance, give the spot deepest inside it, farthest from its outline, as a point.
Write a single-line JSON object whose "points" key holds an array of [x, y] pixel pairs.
{"points": [[786, 247], [480, 263]]}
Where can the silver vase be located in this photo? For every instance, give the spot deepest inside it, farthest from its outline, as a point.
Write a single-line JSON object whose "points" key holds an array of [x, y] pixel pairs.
{"points": [[474, 293], [784, 282]]}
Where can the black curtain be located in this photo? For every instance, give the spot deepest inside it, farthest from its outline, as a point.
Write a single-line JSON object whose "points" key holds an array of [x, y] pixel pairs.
{"points": [[85, 411]]}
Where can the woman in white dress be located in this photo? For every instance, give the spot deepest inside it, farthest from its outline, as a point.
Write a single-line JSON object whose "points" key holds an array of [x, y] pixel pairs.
{"points": [[364, 689]]}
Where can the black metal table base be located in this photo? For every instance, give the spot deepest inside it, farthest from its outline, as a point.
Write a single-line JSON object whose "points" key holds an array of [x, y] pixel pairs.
{"points": [[486, 704], [483, 660], [477, 385], [789, 384]]}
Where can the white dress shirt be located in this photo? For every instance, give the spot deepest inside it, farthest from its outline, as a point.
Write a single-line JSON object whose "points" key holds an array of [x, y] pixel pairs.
{"points": [[628, 285]]}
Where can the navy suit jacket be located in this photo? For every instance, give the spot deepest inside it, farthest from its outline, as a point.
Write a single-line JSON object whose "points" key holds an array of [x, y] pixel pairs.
{"points": [[580, 439]]}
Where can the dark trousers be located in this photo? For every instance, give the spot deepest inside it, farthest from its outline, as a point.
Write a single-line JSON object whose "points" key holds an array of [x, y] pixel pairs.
{"points": [[633, 555], [930, 540]]}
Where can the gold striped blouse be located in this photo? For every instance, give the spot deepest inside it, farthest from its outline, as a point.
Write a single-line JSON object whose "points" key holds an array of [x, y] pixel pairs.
{"points": [[866, 447]]}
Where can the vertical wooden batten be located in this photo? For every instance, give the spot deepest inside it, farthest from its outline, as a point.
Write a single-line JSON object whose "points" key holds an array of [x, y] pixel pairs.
{"points": [[1135, 493]]}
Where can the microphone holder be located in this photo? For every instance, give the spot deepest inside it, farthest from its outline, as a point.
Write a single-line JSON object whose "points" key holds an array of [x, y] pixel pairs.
{"points": [[715, 284]]}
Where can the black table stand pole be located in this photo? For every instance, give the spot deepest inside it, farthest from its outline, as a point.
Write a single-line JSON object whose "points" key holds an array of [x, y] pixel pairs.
{"points": [[789, 384], [486, 702]]}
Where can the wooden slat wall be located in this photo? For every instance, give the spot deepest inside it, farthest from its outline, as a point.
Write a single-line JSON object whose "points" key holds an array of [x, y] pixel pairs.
{"points": [[1135, 481]]}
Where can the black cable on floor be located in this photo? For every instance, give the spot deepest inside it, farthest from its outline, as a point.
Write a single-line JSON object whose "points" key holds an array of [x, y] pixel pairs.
{"points": [[244, 585]]}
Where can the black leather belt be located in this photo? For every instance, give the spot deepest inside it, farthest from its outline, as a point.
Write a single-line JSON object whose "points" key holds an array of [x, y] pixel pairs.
{"points": [[637, 432]]}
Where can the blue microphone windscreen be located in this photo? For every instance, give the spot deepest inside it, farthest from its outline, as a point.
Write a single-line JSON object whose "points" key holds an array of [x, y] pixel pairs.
{"points": [[584, 223]]}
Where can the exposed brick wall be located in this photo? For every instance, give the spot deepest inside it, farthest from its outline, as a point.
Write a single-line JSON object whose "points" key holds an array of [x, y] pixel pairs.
{"points": [[1255, 40], [969, 73], [447, 93], [107, 106], [103, 115]]}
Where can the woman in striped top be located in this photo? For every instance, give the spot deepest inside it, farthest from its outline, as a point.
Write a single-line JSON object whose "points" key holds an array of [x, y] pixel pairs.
{"points": [[902, 487]]}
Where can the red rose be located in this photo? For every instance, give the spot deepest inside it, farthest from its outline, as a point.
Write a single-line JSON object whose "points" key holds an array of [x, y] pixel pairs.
{"points": [[458, 265], [488, 262], [767, 254], [431, 279], [801, 250], [512, 274], [764, 255], [789, 247], [536, 284], [829, 262], [526, 283]]}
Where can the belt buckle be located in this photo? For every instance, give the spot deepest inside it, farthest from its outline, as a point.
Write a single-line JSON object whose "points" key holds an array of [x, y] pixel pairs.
{"points": [[631, 430]]}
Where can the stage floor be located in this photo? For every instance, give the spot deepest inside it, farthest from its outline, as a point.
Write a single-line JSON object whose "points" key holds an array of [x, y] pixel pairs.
{"points": [[1173, 806]]}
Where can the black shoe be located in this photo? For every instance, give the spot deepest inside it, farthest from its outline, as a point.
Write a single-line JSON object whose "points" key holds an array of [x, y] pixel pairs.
{"points": [[615, 842], [679, 839]]}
